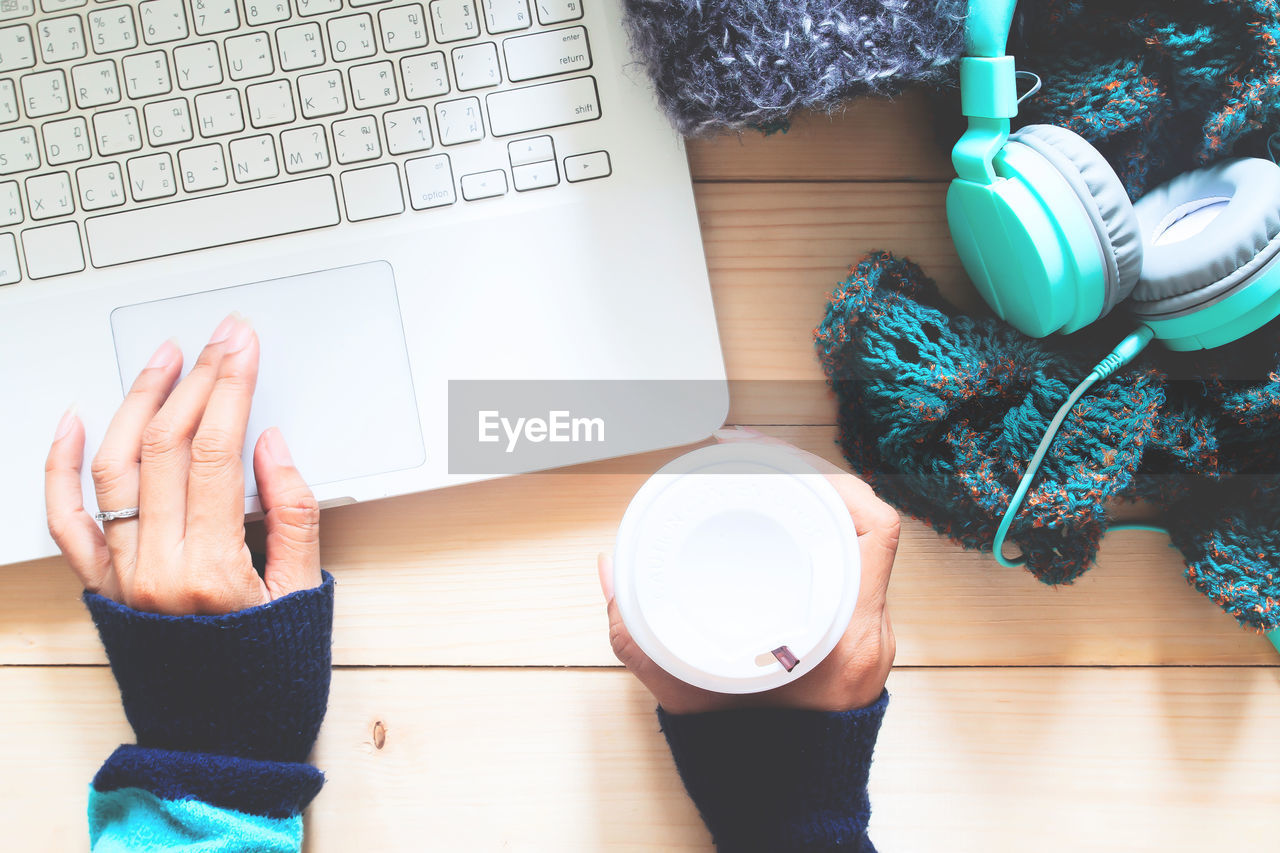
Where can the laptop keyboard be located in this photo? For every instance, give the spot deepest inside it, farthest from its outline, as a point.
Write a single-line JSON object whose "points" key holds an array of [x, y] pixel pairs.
{"points": [[130, 132]]}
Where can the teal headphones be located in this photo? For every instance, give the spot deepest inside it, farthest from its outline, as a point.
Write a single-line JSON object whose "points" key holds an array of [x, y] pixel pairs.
{"points": [[1048, 235]]}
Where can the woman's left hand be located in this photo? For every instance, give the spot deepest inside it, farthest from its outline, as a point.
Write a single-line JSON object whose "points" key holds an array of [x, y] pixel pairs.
{"points": [[174, 452]]}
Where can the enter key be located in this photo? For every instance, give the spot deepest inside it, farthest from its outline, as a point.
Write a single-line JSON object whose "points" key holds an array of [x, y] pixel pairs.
{"points": [[545, 54]]}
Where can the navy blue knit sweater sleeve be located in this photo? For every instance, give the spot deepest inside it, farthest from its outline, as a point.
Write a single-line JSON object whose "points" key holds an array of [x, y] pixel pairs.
{"points": [[776, 780], [225, 710]]}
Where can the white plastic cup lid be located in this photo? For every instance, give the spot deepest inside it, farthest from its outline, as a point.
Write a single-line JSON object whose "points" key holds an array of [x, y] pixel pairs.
{"points": [[730, 553]]}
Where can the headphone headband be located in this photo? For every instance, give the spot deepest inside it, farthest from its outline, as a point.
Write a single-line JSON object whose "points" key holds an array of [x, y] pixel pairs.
{"points": [[987, 27]]}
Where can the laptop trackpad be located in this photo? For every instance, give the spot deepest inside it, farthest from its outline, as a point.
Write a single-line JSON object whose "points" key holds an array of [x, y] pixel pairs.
{"points": [[334, 375]]}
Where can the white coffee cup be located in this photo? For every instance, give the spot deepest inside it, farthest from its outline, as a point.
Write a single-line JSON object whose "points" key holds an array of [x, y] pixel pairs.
{"points": [[737, 567]]}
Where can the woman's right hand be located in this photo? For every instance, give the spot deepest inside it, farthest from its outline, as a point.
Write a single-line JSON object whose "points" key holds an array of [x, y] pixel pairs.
{"points": [[174, 452], [854, 674]]}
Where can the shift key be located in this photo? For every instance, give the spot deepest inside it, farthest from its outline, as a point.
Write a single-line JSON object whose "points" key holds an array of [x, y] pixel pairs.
{"points": [[546, 105]]}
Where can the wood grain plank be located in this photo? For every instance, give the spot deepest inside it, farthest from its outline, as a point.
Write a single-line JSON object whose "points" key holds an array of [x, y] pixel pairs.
{"points": [[775, 252], [503, 573], [572, 760], [873, 139]]}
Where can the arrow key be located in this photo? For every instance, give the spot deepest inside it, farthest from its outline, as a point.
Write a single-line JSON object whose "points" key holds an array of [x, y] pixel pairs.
{"points": [[587, 167]]}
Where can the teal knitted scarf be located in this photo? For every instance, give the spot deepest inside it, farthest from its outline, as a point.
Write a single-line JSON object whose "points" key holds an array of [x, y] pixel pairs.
{"points": [[940, 413]]}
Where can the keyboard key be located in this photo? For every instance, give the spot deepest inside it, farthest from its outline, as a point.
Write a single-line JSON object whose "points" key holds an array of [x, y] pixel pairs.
{"points": [[265, 11], [305, 148], [537, 149], [254, 158], [9, 270], [215, 16], [8, 102], [101, 186], [372, 192], [151, 177], [202, 168], [18, 150], [373, 85], [424, 76], [270, 103], [459, 121], [50, 195], [300, 46], [322, 94], [318, 7], [356, 140], [147, 74], [95, 83], [162, 21], [535, 176], [59, 5], [545, 54], [197, 65], [587, 167], [112, 29], [504, 16], [558, 11], [204, 222], [351, 37], [52, 250], [408, 130], [45, 93], [403, 28], [10, 203], [16, 48], [359, 3], [66, 141], [168, 121], [543, 106], [61, 39], [219, 113], [454, 20], [12, 9], [484, 185], [249, 56], [116, 131], [430, 182], [476, 66]]}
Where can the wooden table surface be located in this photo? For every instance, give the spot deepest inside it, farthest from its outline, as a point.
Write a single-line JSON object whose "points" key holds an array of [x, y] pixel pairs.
{"points": [[1125, 712]]}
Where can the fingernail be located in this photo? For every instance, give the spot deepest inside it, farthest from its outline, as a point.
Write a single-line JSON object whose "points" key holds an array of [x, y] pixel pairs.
{"points": [[277, 448], [164, 355], [66, 423], [241, 337], [224, 328]]}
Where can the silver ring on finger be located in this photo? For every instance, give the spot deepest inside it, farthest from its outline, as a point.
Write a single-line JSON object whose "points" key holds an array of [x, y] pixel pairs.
{"points": [[116, 514]]}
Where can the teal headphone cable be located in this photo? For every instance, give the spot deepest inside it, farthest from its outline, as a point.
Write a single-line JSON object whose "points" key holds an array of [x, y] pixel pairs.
{"points": [[1119, 357]]}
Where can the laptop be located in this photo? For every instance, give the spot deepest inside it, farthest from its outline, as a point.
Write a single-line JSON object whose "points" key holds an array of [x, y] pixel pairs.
{"points": [[461, 228]]}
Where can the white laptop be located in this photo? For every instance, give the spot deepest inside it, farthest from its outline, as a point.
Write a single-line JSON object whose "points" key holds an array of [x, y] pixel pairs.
{"points": [[462, 228]]}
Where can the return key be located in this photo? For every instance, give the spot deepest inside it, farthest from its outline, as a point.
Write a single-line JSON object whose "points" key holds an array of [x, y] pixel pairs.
{"points": [[545, 54]]}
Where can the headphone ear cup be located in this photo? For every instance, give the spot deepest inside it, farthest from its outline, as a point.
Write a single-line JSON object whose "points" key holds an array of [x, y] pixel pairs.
{"points": [[1205, 235], [1104, 199]]}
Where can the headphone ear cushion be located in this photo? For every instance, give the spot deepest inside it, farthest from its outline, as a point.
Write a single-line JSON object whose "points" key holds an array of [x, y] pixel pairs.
{"points": [[1187, 270], [1104, 198]]}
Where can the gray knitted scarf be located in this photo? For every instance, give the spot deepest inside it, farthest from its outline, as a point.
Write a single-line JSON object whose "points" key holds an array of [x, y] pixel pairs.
{"points": [[721, 64]]}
